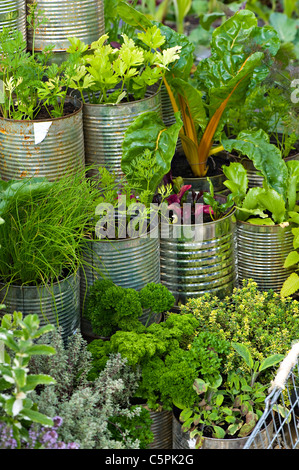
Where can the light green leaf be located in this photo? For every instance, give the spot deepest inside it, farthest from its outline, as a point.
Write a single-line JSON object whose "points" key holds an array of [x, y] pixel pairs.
{"points": [[266, 157], [270, 361], [291, 259], [244, 352], [290, 285]]}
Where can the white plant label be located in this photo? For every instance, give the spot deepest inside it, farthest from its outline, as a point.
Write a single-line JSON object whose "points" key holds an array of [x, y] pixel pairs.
{"points": [[40, 131]]}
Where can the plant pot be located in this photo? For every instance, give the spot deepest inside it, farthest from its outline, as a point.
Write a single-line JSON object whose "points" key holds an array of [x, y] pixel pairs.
{"points": [[27, 149], [262, 250], [162, 429], [13, 15], [105, 126], [67, 18], [191, 267], [180, 439], [58, 304], [129, 262]]}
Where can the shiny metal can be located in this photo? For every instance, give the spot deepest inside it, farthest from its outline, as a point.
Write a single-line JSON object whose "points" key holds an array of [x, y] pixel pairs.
{"points": [[262, 250], [191, 268], [47, 148], [13, 15]]}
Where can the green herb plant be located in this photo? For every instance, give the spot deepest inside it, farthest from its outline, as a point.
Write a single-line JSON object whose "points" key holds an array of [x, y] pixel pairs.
{"points": [[18, 337], [131, 68], [228, 406], [111, 307], [264, 322], [97, 413], [148, 351], [45, 227]]}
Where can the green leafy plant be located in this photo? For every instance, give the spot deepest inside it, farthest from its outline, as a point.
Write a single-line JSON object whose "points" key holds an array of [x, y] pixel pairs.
{"points": [[148, 149], [275, 202], [131, 68], [229, 406], [291, 284], [96, 414], [30, 84], [264, 322], [18, 337], [205, 101], [148, 351], [45, 226], [111, 307]]}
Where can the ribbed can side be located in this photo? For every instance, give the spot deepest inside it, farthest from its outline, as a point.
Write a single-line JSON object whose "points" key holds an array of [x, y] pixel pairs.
{"points": [[162, 429], [191, 268], [130, 263], [83, 19], [57, 304], [262, 250], [61, 149], [13, 15], [105, 126]]}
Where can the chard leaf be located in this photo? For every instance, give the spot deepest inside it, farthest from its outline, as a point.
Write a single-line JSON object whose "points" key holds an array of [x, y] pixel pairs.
{"points": [[274, 203], [266, 157], [149, 133], [132, 16]]}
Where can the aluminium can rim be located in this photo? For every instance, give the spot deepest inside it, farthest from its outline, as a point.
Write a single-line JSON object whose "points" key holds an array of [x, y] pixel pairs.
{"points": [[123, 104]]}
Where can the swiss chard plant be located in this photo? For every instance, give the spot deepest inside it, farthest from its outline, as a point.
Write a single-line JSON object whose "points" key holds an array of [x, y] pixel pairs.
{"points": [[241, 55], [275, 202]]}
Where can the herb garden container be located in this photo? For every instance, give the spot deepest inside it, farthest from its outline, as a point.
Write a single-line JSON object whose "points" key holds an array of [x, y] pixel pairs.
{"points": [[13, 15], [180, 439], [192, 266], [45, 148], [129, 262], [83, 19], [57, 303], [105, 125], [262, 250]]}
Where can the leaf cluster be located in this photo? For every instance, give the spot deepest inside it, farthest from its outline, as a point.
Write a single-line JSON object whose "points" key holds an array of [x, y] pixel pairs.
{"points": [[45, 225], [149, 351], [18, 337], [108, 75], [275, 202], [263, 321], [111, 307], [97, 413], [228, 405]]}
